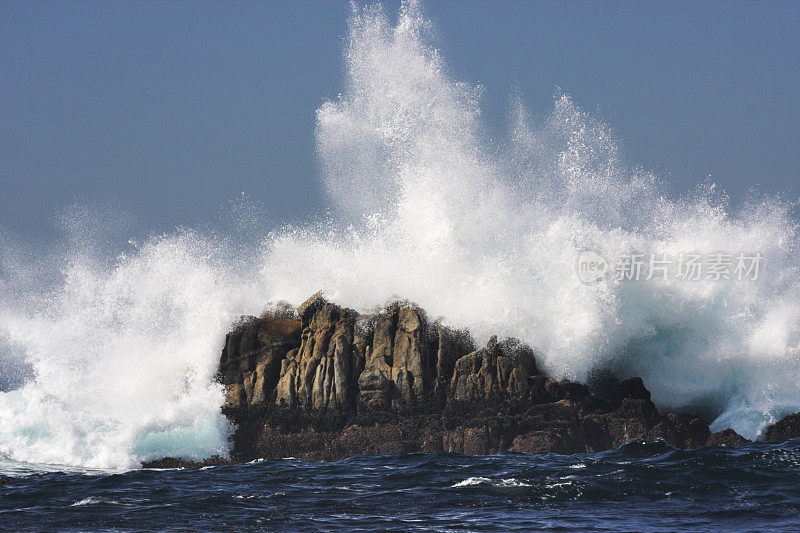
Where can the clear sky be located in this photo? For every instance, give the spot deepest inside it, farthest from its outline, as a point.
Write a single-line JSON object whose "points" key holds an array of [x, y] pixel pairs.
{"points": [[170, 110]]}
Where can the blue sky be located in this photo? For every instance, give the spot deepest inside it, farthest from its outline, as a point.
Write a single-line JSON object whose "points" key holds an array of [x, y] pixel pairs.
{"points": [[171, 110]]}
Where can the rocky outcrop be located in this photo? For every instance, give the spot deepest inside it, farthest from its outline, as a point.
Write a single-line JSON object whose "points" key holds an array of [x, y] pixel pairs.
{"points": [[785, 429], [408, 361], [252, 357], [398, 363], [321, 372], [175, 462], [327, 382], [727, 437], [501, 371]]}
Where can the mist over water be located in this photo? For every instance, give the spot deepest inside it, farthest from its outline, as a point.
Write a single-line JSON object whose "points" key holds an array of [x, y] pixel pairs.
{"points": [[108, 357]]}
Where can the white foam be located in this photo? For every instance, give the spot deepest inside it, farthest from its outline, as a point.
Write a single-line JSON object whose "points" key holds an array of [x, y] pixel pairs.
{"points": [[92, 500], [123, 357], [502, 483], [470, 481]]}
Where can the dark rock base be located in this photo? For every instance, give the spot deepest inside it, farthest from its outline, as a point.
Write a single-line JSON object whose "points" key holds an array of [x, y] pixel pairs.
{"points": [[562, 427]]}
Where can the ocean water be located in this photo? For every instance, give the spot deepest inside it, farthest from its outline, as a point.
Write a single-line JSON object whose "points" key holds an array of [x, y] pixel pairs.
{"points": [[637, 487]]}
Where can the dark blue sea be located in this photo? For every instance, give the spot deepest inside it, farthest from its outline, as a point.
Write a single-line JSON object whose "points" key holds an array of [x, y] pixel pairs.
{"points": [[637, 487]]}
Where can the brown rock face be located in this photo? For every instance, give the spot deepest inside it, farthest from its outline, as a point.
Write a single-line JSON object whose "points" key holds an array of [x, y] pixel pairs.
{"points": [[451, 346], [565, 438], [498, 372], [335, 383], [480, 440], [785, 429], [251, 359], [397, 361], [727, 438], [407, 360], [332, 357], [321, 372]]}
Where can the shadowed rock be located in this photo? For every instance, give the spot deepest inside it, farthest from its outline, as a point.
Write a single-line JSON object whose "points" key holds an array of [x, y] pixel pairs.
{"points": [[785, 429], [176, 462], [728, 438], [251, 359], [499, 371]]}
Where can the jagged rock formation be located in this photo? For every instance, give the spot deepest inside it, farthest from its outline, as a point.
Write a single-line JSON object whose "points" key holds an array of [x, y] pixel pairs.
{"points": [[498, 372], [321, 372], [252, 358], [406, 359], [397, 360], [726, 437], [785, 429], [330, 383]]}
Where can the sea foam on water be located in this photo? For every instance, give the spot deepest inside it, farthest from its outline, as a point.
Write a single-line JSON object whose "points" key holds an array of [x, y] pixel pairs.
{"points": [[121, 353]]}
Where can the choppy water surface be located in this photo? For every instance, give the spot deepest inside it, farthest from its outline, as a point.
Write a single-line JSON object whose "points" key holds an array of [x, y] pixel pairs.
{"points": [[637, 487]]}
